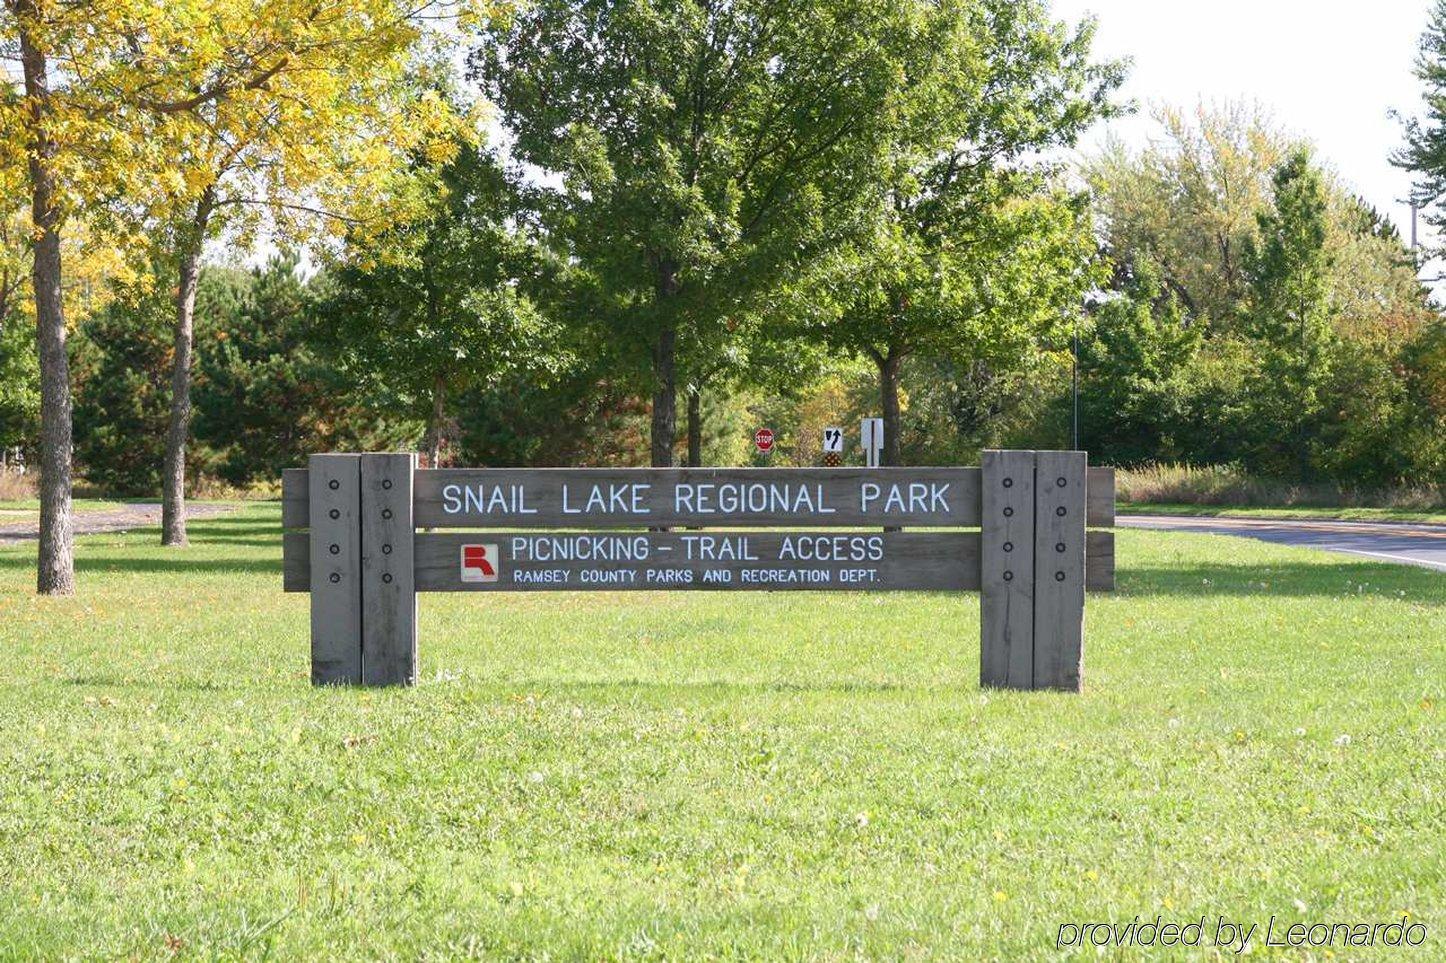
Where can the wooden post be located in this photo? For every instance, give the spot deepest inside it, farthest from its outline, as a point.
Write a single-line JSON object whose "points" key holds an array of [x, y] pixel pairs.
{"points": [[1059, 568], [1006, 553], [388, 575], [334, 483]]}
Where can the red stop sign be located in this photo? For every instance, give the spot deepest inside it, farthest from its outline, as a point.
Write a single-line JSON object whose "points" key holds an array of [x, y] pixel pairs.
{"points": [[763, 438]]}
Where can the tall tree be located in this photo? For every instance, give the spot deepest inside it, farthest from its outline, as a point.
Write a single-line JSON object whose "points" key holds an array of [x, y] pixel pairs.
{"points": [[702, 151], [1188, 202], [973, 252], [1290, 311], [1424, 153], [311, 145], [34, 136], [438, 307], [103, 127]]}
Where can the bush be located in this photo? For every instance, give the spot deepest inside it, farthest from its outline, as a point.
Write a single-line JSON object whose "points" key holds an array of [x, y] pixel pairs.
{"points": [[1168, 484]]}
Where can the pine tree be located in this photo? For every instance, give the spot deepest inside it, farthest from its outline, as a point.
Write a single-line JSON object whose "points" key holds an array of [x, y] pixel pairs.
{"points": [[1425, 152]]}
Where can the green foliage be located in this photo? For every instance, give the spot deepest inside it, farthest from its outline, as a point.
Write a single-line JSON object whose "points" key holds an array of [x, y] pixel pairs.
{"points": [[1423, 422], [1189, 202], [1290, 319], [968, 253], [123, 391], [266, 395], [1424, 154], [706, 154], [438, 309], [577, 418], [1305, 301], [19, 387], [1135, 394]]}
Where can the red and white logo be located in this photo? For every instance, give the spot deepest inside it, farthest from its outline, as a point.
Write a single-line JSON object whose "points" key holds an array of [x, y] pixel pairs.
{"points": [[763, 438], [479, 563]]}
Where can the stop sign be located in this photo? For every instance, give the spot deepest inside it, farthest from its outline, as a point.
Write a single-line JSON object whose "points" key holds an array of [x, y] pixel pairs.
{"points": [[763, 438]]}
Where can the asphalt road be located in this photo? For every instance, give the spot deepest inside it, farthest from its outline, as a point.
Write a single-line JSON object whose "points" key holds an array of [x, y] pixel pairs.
{"points": [[1405, 544]]}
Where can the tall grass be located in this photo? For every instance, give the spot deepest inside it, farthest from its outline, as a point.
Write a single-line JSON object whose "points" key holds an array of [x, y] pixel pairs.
{"points": [[1227, 485], [15, 487]]}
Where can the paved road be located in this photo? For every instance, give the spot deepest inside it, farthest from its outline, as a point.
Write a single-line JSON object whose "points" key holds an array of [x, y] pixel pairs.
{"points": [[1405, 544], [24, 526]]}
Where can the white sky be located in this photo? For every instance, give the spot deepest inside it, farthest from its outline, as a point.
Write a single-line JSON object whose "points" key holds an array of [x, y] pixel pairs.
{"points": [[1326, 70]]}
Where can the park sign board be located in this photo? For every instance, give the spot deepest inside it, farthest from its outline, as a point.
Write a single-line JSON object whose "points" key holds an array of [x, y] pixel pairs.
{"points": [[619, 561], [711, 497], [368, 532]]}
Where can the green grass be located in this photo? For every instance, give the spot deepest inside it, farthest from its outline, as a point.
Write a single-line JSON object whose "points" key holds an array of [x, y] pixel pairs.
{"points": [[1226, 511], [728, 775], [32, 505]]}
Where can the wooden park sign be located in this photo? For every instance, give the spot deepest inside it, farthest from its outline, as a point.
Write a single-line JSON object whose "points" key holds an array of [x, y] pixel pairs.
{"points": [[1014, 529]]}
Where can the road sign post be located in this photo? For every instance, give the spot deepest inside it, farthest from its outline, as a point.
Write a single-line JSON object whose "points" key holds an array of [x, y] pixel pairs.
{"points": [[871, 439]]}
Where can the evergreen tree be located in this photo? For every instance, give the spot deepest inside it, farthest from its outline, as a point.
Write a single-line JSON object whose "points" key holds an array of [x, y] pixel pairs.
{"points": [[1290, 317], [1424, 154], [267, 394], [122, 360]]}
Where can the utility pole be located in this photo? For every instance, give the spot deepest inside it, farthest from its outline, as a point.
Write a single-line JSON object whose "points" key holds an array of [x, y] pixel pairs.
{"points": [[1074, 383]]}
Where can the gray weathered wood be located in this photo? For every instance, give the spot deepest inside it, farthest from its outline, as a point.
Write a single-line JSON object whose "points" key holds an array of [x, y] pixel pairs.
{"points": [[1099, 564], [389, 598], [336, 631], [295, 562], [1059, 568], [1006, 603], [295, 498], [1100, 493], [870, 561], [716, 496], [1099, 561]]}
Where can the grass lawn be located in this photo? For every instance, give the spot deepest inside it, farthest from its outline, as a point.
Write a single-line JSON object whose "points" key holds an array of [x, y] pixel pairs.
{"points": [[22, 507], [731, 775], [1226, 511]]}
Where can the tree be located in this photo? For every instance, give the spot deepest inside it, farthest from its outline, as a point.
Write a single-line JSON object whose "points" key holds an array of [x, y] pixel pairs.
{"points": [[104, 125], [122, 360], [1192, 207], [1424, 153], [38, 128], [268, 391], [438, 308], [344, 77], [1134, 366], [1189, 201], [971, 253], [702, 151], [1290, 316]]}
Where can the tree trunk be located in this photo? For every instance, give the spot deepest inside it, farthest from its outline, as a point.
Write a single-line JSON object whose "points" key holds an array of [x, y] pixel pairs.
{"points": [[665, 398], [889, 399], [695, 429], [173, 479], [665, 393], [432, 440], [55, 573]]}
